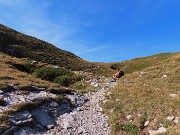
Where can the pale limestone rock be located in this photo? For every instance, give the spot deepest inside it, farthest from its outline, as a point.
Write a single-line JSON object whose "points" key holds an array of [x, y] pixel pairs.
{"points": [[173, 95], [164, 76], [152, 132], [96, 85], [170, 118], [146, 123], [161, 130], [129, 117], [176, 120]]}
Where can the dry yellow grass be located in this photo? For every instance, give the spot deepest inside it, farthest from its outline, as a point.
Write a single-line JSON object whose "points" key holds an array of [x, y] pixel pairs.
{"points": [[145, 96], [10, 75]]}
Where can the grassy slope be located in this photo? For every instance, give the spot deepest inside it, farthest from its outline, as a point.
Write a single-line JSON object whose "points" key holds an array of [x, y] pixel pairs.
{"points": [[23, 46], [10, 74], [139, 64], [144, 94]]}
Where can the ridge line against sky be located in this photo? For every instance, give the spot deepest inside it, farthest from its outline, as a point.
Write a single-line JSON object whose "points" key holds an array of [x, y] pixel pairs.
{"points": [[99, 30]]}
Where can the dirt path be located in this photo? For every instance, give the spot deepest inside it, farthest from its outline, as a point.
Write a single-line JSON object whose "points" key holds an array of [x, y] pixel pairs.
{"points": [[85, 120]]}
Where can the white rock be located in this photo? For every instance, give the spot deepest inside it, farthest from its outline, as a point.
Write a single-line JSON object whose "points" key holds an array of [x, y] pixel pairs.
{"points": [[142, 73], [170, 118], [173, 95], [50, 126], [146, 123], [93, 83], [96, 85], [129, 117], [176, 120], [152, 132], [80, 130], [164, 76], [161, 130], [109, 93]]}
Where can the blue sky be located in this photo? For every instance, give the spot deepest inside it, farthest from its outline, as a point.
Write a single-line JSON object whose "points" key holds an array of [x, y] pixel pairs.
{"points": [[99, 30]]}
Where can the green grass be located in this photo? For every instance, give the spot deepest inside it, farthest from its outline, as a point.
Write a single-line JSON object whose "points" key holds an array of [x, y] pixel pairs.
{"points": [[145, 96], [139, 64]]}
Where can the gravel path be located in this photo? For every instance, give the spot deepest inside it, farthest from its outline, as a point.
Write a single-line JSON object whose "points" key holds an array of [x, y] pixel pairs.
{"points": [[87, 119]]}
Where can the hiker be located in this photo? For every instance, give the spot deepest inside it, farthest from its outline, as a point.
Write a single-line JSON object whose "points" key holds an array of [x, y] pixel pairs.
{"points": [[118, 74]]}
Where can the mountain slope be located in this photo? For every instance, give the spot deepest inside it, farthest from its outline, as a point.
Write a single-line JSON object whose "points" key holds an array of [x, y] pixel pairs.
{"points": [[22, 46], [146, 101]]}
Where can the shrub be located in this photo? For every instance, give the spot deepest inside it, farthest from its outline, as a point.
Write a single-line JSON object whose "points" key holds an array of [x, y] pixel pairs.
{"points": [[25, 67], [115, 66], [67, 80], [49, 74]]}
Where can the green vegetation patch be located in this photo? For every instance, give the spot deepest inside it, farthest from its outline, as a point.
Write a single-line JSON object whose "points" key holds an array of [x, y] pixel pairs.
{"points": [[144, 96], [49, 74], [67, 80]]}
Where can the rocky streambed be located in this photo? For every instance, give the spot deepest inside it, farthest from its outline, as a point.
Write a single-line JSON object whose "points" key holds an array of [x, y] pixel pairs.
{"points": [[76, 114]]}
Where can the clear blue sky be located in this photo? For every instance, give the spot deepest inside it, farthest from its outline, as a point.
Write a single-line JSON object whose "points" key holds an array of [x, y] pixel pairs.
{"points": [[99, 30]]}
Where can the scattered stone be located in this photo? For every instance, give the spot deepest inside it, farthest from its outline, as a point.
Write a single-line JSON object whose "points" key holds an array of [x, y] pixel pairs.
{"points": [[152, 132], [80, 130], [109, 93], [129, 117], [67, 120], [79, 109], [96, 85], [173, 95], [146, 123], [164, 76], [170, 118], [160, 130], [1, 91], [176, 120], [143, 73], [86, 119]]}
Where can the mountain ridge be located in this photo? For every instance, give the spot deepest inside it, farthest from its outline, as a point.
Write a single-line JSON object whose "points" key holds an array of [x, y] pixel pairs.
{"points": [[21, 45]]}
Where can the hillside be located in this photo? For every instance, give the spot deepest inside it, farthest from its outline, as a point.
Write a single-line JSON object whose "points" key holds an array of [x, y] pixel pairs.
{"points": [[28, 102], [23, 46], [146, 101]]}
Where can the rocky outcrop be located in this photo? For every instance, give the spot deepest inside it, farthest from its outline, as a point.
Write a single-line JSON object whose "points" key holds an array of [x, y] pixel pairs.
{"points": [[87, 119], [75, 114]]}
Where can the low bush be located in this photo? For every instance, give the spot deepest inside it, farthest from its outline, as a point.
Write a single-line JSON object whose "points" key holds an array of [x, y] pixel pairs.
{"points": [[25, 67], [67, 80], [49, 74]]}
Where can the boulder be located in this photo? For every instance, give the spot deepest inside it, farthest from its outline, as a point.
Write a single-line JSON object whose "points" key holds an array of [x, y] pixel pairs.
{"points": [[43, 118]]}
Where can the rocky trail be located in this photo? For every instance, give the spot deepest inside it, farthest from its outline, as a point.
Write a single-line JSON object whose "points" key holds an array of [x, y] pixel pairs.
{"points": [[87, 119], [82, 116]]}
